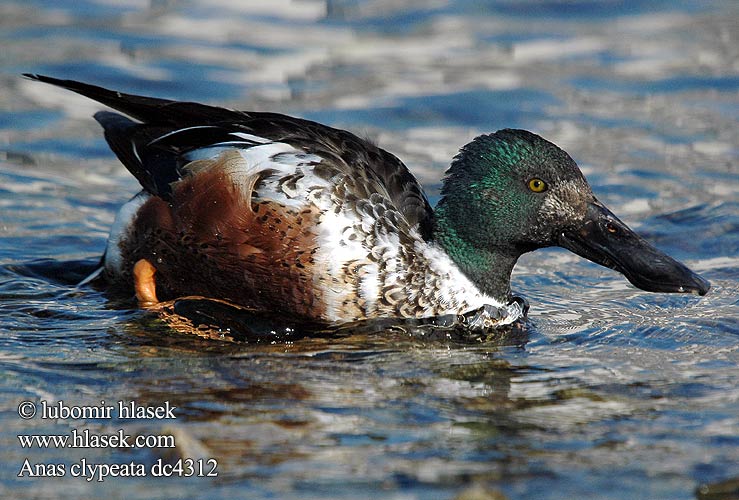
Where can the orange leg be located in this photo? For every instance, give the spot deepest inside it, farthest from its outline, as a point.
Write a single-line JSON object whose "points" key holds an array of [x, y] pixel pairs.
{"points": [[144, 284]]}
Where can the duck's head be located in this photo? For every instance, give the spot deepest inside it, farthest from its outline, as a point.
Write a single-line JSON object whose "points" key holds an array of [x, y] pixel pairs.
{"points": [[511, 192]]}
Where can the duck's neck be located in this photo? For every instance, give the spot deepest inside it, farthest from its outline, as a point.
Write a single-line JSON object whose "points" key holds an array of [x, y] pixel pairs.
{"points": [[489, 267]]}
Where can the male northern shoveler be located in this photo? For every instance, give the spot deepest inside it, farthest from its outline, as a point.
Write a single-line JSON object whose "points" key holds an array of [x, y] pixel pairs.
{"points": [[288, 215]]}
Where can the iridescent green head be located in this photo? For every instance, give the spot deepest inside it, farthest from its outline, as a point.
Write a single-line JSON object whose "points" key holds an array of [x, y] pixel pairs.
{"points": [[504, 190], [512, 192]]}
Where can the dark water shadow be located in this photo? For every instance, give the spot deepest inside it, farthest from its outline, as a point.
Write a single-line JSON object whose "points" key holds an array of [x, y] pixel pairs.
{"points": [[239, 324], [223, 321], [58, 272]]}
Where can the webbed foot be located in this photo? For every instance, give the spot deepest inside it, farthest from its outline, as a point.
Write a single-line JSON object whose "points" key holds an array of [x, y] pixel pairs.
{"points": [[144, 283]]}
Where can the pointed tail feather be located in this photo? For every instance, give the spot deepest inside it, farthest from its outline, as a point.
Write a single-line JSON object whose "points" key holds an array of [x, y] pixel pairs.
{"points": [[138, 107], [145, 109]]}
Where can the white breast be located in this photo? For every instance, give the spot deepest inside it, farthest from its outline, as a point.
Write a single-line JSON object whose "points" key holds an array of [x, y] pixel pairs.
{"points": [[120, 230]]}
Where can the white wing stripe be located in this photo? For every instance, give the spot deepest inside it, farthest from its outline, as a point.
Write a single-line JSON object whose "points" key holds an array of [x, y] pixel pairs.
{"points": [[250, 137], [198, 127]]}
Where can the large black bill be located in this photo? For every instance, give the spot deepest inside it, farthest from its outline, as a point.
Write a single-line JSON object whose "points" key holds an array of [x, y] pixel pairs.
{"points": [[605, 240]]}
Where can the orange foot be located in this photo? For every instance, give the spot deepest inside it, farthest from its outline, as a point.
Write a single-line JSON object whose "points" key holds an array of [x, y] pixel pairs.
{"points": [[144, 284]]}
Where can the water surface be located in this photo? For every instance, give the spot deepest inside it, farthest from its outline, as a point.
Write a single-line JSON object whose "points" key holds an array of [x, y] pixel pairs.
{"points": [[610, 392]]}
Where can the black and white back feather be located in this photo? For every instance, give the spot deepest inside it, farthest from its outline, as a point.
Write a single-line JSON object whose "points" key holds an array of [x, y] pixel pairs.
{"points": [[155, 148]]}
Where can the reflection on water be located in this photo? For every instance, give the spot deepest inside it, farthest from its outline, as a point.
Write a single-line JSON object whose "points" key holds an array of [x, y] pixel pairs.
{"points": [[607, 392]]}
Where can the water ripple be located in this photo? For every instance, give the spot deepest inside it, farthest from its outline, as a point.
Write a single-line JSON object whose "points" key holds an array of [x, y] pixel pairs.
{"points": [[608, 391]]}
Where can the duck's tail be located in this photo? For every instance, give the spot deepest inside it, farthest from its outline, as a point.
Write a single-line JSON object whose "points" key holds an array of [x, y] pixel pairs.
{"points": [[145, 109]]}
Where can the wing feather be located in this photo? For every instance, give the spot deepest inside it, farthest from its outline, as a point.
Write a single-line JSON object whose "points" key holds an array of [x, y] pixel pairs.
{"points": [[156, 149]]}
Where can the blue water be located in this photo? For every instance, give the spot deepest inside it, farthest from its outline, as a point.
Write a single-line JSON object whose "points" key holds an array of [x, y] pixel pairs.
{"points": [[610, 393]]}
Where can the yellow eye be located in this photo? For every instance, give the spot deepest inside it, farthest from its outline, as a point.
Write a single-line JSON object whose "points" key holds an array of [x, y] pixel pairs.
{"points": [[537, 185]]}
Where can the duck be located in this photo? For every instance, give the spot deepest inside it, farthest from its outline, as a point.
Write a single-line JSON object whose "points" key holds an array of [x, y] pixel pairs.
{"points": [[289, 216]]}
